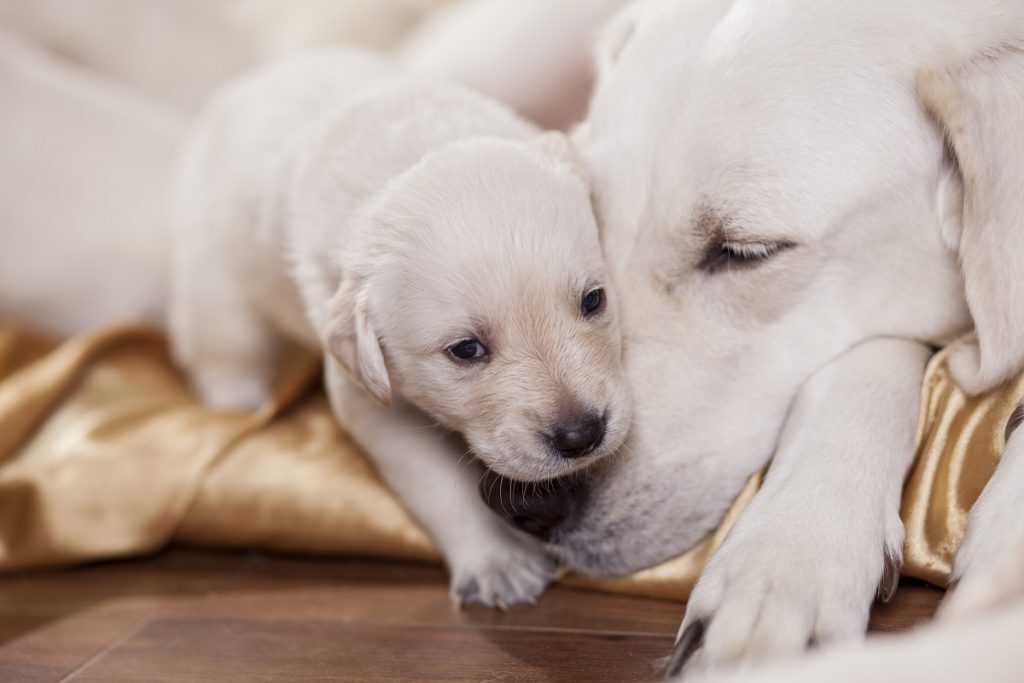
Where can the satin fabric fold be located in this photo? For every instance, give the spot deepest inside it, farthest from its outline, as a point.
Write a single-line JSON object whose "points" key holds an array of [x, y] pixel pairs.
{"points": [[105, 453]]}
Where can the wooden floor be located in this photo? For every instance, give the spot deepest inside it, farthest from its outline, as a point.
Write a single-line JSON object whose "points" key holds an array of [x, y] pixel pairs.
{"points": [[188, 615]]}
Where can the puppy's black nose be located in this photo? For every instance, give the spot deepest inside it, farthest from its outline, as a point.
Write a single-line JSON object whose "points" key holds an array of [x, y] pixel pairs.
{"points": [[535, 507], [576, 438]]}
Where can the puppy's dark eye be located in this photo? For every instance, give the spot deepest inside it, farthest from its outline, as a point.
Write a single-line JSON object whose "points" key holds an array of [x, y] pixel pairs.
{"points": [[467, 350], [728, 255], [593, 302]]}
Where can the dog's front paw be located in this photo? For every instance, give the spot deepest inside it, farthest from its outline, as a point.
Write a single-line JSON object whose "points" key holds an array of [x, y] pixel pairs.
{"points": [[503, 571], [772, 591]]}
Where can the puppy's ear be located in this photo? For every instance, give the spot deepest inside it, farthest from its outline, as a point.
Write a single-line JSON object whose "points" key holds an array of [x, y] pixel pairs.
{"points": [[557, 146], [980, 107], [351, 339], [613, 37]]}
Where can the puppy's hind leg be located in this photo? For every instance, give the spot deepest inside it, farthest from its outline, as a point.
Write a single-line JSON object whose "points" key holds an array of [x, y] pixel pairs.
{"points": [[224, 345], [989, 567]]}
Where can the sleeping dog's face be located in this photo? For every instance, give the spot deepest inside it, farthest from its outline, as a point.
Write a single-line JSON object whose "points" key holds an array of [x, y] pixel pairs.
{"points": [[772, 191], [480, 295]]}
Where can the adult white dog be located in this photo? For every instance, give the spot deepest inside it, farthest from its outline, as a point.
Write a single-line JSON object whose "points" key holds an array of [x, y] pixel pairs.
{"points": [[441, 250], [798, 198]]}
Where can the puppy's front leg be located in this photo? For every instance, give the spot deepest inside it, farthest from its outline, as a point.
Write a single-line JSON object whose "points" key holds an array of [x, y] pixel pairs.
{"points": [[989, 566], [805, 560], [489, 563]]}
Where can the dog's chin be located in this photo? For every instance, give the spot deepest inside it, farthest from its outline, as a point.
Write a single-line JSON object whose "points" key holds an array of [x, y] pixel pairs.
{"points": [[528, 468], [541, 463], [624, 520], [611, 554], [618, 549]]}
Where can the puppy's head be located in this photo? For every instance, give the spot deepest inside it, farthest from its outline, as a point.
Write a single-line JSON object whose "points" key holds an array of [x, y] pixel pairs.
{"points": [[476, 289]]}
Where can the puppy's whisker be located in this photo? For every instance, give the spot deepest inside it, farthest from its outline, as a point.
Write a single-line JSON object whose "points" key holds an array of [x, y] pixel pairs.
{"points": [[490, 490], [501, 496], [466, 460], [512, 496]]}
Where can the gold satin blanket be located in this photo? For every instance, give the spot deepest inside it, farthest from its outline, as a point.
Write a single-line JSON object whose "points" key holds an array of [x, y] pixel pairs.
{"points": [[105, 453]]}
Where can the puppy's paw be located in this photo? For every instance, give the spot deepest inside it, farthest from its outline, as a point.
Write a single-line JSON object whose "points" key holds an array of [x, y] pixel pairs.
{"points": [[772, 591], [228, 392], [501, 572]]}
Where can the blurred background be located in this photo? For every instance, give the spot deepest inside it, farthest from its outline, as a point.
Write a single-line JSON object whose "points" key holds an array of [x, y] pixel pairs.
{"points": [[95, 96]]}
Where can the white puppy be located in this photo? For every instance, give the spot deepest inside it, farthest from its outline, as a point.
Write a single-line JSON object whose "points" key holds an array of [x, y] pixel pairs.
{"points": [[798, 199], [533, 55], [444, 255]]}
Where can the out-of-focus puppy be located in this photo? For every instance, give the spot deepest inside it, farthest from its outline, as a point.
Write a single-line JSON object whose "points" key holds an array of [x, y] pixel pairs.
{"points": [[533, 55], [445, 256]]}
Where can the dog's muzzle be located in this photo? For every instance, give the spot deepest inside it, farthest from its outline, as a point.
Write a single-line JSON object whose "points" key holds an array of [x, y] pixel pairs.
{"points": [[535, 507]]}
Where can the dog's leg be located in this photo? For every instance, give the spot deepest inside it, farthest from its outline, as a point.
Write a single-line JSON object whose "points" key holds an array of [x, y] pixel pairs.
{"points": [[805, 560], [986, 649], [435, 478], [226, 348], [989, 568]]}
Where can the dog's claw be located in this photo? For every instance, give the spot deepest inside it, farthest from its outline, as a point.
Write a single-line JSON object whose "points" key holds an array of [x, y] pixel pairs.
{"points": [[468, 593], [689, 642], [890, 577], [1015, 421]]}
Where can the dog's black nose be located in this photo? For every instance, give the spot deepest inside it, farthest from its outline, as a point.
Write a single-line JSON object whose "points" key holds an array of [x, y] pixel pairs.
{"points": [[535, 507], [575, 438]]}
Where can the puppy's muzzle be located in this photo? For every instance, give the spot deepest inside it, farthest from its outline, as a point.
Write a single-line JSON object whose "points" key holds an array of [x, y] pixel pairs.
{"points": [[535, 507], [579, 435]]}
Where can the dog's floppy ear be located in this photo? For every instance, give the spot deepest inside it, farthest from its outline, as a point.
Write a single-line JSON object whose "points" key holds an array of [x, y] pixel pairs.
{"points": [[351, 339], [557, 146], [980, 107]]}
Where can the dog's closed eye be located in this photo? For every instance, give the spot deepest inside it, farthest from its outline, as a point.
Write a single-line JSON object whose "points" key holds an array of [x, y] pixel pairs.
{"points": [[723, 254]]}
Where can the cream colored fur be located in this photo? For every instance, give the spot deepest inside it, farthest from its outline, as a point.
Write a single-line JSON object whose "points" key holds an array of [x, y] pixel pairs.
{"points": [[334, 200], [533, 55], [798, 199]]}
